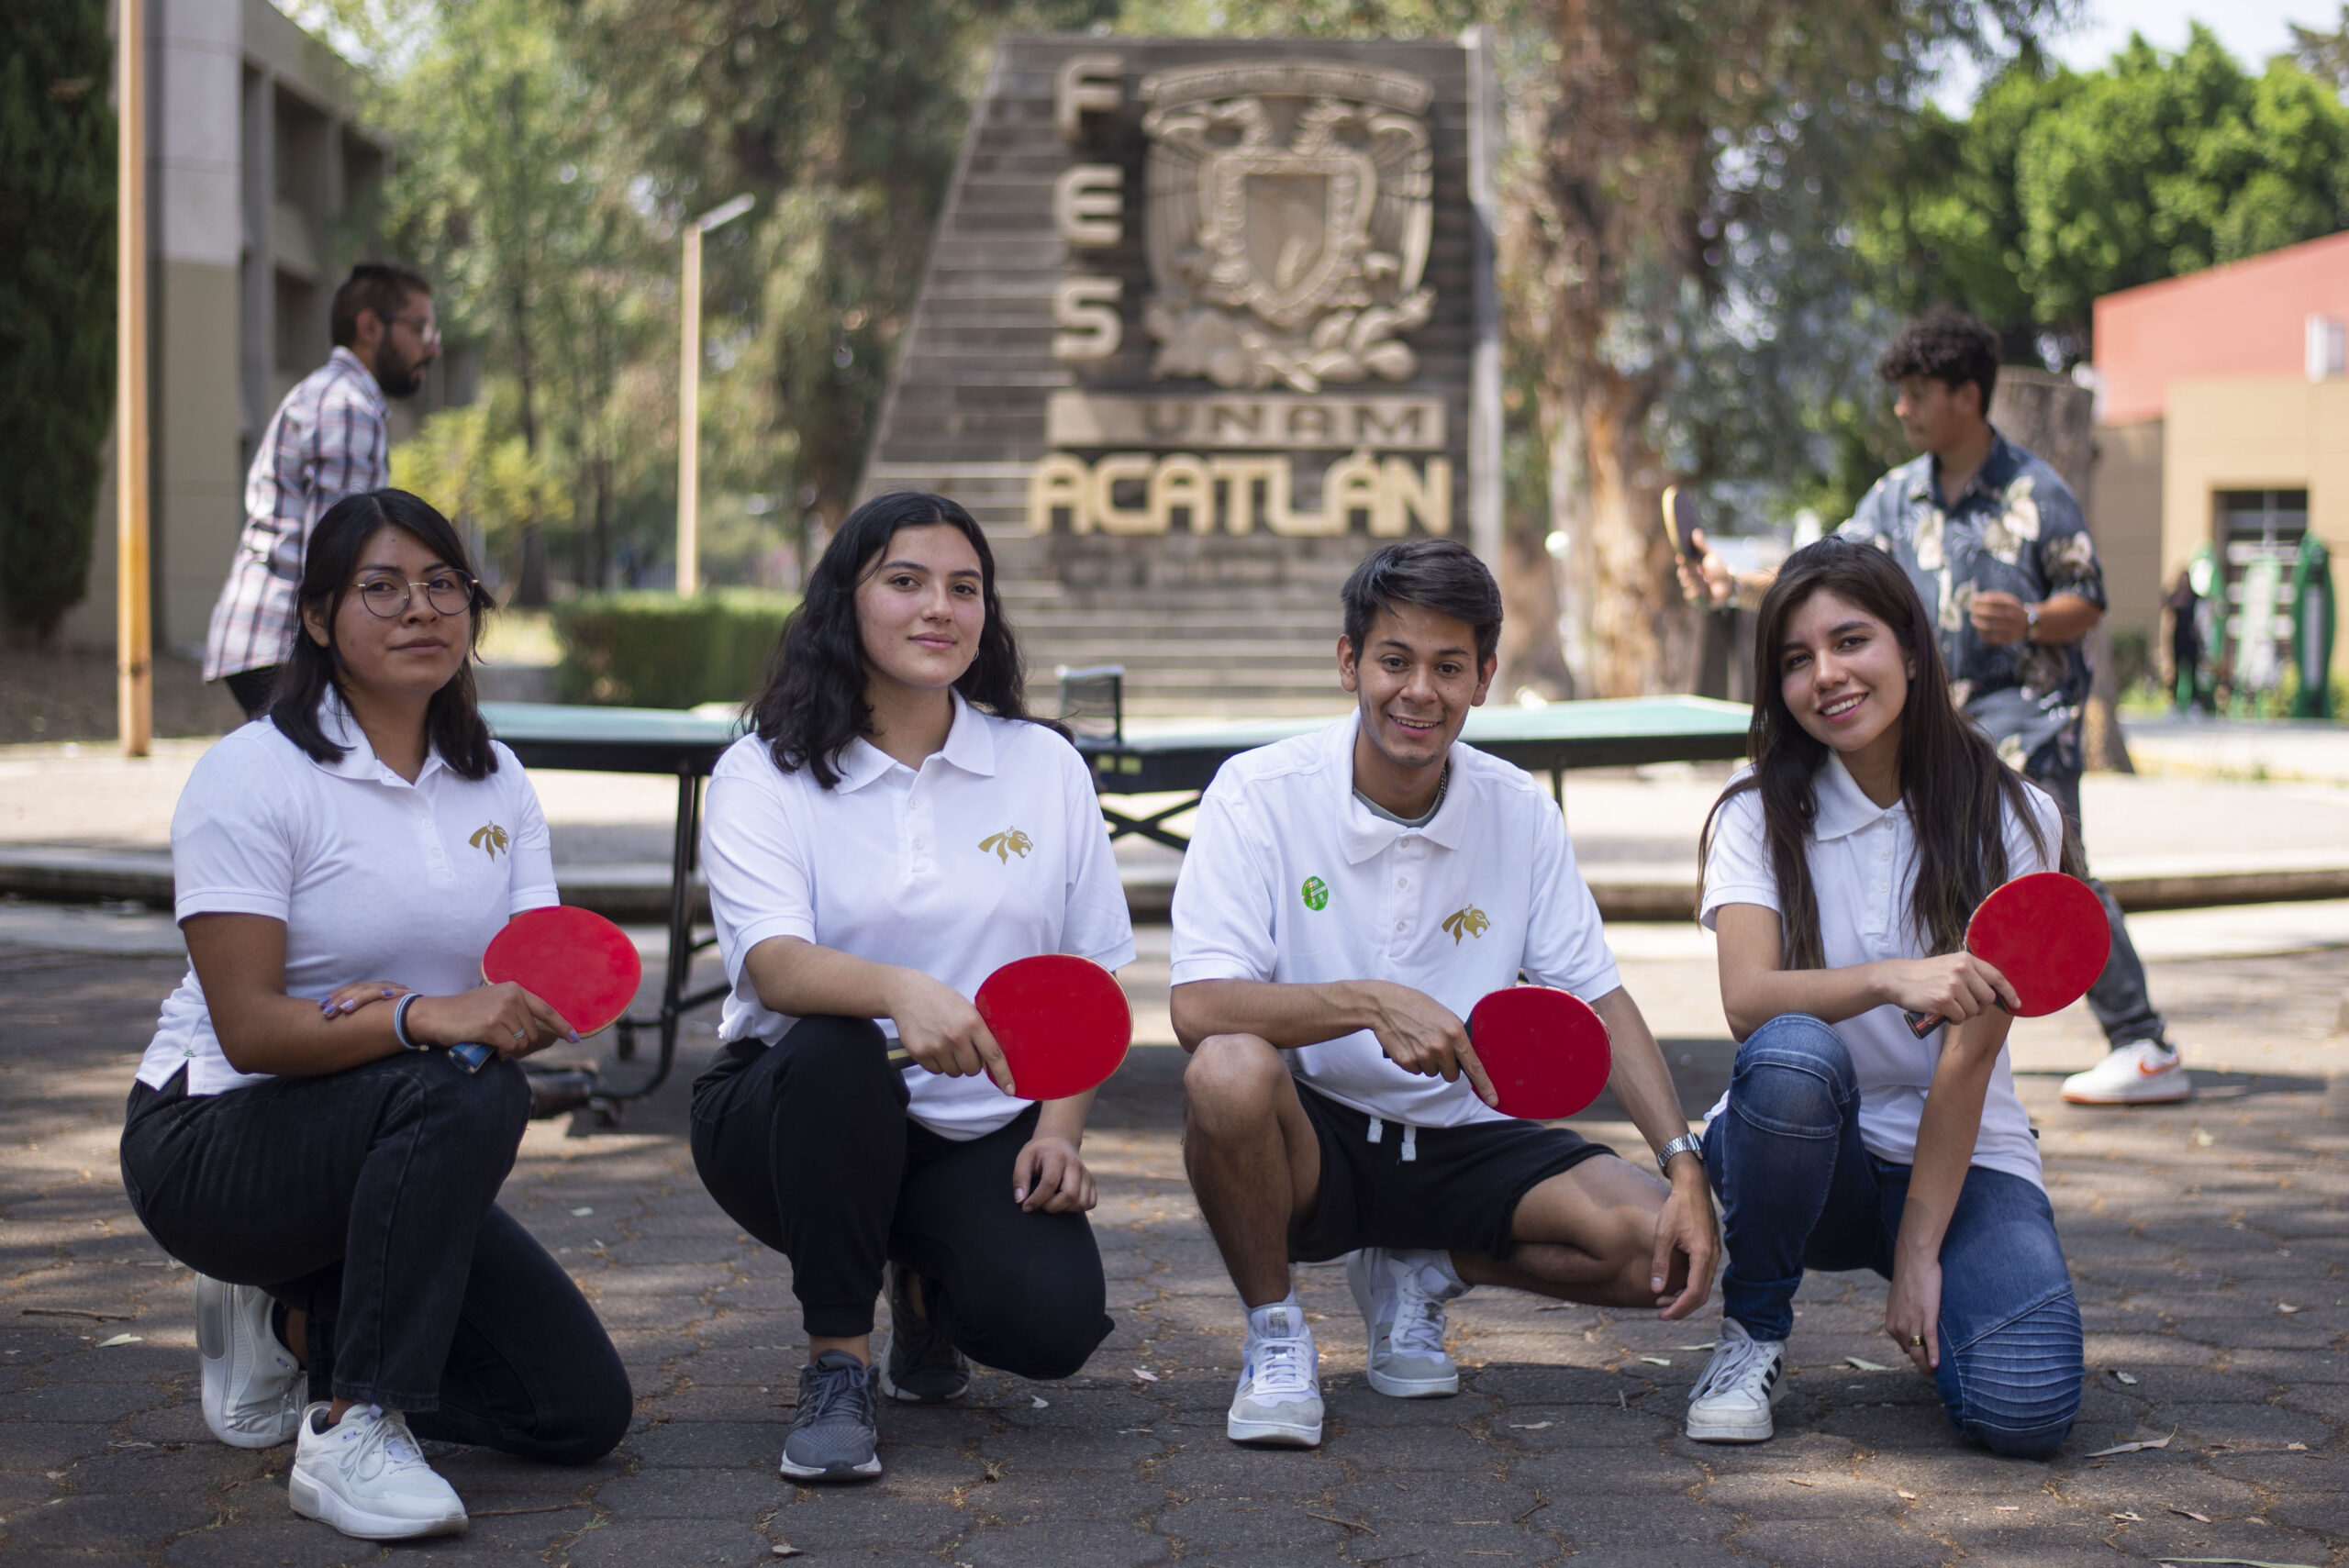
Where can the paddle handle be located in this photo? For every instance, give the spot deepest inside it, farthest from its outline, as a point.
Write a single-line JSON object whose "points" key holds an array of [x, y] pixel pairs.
{"points": [[470, 1056], [1923, 1024]]}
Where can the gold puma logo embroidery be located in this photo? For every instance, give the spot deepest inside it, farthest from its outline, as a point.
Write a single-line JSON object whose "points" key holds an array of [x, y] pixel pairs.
{"points": [[1009, 842], [489, 839], [1470, 921]]}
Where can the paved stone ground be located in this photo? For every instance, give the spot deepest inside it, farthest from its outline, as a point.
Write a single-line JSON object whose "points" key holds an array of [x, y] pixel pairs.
{"points": [[2208, 1240]]}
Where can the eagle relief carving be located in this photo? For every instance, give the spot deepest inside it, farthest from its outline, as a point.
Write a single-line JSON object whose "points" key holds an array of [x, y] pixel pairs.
{"points": [[1288, 222]]}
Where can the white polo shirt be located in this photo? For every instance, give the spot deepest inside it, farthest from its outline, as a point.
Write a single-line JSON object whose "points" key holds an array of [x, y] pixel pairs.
{"points": [[1289, 878], [993, 849], [1863, 863], [376, 878]]}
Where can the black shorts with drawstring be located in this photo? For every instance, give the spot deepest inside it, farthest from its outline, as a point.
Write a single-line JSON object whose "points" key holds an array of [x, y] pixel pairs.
{"points": [[1383, 1184]]}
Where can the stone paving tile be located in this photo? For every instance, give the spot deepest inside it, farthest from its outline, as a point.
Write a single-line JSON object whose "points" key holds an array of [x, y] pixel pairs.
{"points": [[2190, 1229]]}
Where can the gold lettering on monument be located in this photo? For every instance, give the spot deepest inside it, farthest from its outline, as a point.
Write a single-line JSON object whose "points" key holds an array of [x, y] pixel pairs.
{"points": [[1086, 311], [1274, 419], [1136, 493]]}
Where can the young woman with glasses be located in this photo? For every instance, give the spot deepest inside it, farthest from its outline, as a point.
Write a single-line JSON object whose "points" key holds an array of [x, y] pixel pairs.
{"points": [[296, 1134], [1839, 873]]}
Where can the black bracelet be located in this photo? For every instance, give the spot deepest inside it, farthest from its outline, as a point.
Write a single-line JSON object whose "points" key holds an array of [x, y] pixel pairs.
{"points": [[399, 1024]]}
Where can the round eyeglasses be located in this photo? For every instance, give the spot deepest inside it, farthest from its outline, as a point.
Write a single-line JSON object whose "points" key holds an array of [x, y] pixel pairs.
{"points": [[448, 593]]}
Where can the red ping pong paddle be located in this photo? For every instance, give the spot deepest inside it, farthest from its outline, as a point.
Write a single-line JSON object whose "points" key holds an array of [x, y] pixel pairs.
{"points": [[571, 959], [1546, 1051], [1062, 1021], [2046, 933]]}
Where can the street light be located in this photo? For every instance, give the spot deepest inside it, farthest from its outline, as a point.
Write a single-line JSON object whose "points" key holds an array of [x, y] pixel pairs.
{"points": [[689, 396]]}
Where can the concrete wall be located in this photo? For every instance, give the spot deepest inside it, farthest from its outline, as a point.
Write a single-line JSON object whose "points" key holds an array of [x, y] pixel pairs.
{"points": [[2256, 433], [2125, 518]]}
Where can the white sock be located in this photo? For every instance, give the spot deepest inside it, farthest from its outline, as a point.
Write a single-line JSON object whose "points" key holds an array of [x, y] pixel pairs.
{"points": [[1263, 1325]]}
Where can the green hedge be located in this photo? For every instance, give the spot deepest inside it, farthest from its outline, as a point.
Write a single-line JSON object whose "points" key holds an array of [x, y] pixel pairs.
{"points": [[641, 648]]}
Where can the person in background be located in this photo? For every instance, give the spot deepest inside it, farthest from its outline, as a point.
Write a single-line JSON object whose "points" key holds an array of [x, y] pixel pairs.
{"points": [[325, 441], [1995, 546]]}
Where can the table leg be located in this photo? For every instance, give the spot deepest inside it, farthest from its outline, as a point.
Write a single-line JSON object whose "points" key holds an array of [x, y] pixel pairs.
{"points": [[675, 1002], [1149, 827]]}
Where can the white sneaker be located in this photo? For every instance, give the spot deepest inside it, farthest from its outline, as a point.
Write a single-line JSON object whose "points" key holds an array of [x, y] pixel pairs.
{"points": [[365, 1476], [1279, 1397], [2139, 1073], [1730, 1404], [252, 1383], [1401, 1295]]}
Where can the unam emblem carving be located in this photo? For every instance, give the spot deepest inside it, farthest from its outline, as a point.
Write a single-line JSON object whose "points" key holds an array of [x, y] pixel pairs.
{"points": [[1288, 222]]}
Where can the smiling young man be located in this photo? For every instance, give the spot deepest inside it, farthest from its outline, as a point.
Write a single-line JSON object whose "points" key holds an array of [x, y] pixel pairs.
{"points": [[1347, 896]]}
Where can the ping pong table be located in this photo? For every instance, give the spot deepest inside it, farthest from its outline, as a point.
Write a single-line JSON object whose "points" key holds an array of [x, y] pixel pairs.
{"points": [[1179, 760]]}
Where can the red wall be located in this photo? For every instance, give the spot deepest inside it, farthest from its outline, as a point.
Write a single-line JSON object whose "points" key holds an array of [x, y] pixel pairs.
{"points": [[2248, 317]]}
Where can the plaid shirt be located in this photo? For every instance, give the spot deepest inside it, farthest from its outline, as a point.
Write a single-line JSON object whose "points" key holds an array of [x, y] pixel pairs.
{"points": [[325, 441], [2015, 530]]}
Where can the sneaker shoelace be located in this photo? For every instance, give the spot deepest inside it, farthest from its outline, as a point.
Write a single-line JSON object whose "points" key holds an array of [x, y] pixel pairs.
{"points": [[1283, 1366], [827, 1390], [1419, 1317], [1732, 1364], [386, 1446]]}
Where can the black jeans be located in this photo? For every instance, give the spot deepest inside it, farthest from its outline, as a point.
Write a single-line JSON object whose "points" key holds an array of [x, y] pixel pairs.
{"points": [[366, 1200], [807, 1145], [2118, 998]]}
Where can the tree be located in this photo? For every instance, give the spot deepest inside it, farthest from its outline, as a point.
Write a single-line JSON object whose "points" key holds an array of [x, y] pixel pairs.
{"points": [[2061, 186], [844, 116], [1671, 160], [519, 189], [57, 273]]}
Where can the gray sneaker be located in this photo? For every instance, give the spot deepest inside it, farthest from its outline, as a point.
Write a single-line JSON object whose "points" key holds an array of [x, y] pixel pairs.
{"points": [[919, 1365], [1279, 1397], [1401, 1294], [831, 1438]]}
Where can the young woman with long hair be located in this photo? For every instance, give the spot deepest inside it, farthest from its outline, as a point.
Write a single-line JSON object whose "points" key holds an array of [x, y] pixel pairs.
{"points": [[1839, 873], [295, 1135], [896, 829]]}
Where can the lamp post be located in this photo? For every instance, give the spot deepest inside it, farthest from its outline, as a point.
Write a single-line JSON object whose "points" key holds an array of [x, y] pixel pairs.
{"points": [[133, 628], [689, 396]]}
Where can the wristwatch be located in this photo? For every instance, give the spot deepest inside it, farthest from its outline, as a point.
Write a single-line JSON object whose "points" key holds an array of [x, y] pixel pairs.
{"points": [[1687, 1143], [2030, 623]]}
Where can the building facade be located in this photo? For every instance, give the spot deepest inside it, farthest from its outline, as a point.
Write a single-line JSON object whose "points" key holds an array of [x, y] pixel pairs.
{"points": [[2223, 422], [262, 187]]}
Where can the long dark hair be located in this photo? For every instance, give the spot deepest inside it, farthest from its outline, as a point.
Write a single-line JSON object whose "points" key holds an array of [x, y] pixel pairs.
{"points": [[452, 720], [813, 704], [1951, 777]]}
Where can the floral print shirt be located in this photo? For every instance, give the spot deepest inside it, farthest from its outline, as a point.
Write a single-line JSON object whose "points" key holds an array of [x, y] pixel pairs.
{"points": [[2015, 530]]}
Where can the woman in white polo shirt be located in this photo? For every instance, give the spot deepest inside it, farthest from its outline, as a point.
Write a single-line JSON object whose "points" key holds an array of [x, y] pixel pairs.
{"points": [[294, 1135], [894, 830], [1839, 871]]}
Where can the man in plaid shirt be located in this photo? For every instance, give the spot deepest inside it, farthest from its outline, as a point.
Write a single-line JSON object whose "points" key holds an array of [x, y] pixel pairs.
{"points": [[326, 440]]}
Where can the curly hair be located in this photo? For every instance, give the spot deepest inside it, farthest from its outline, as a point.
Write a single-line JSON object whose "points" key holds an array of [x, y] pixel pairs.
{"points": [[1949, 346], [813, 704]]}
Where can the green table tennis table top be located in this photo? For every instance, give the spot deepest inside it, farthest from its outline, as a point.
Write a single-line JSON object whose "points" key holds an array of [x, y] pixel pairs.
{"points": [[1183, 756]]}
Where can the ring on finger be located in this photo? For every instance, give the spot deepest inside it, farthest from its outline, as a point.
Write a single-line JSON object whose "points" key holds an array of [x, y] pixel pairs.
{"points": [[521, 1036]]}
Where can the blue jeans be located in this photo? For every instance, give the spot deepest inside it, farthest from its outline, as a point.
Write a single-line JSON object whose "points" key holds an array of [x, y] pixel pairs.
{"points": [[1799, 1192], [2122, 1006]]}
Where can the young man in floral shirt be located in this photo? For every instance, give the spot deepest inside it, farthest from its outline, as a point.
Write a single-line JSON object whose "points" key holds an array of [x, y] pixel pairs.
{"points": [[1994, 540]]}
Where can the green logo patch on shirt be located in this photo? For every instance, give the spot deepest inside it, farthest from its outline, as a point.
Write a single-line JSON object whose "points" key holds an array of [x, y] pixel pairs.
{"points": [[1316, 892]]}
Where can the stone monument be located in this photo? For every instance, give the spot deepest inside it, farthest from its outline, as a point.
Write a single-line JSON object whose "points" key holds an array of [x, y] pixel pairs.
{"points": [[1203, 322]]}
